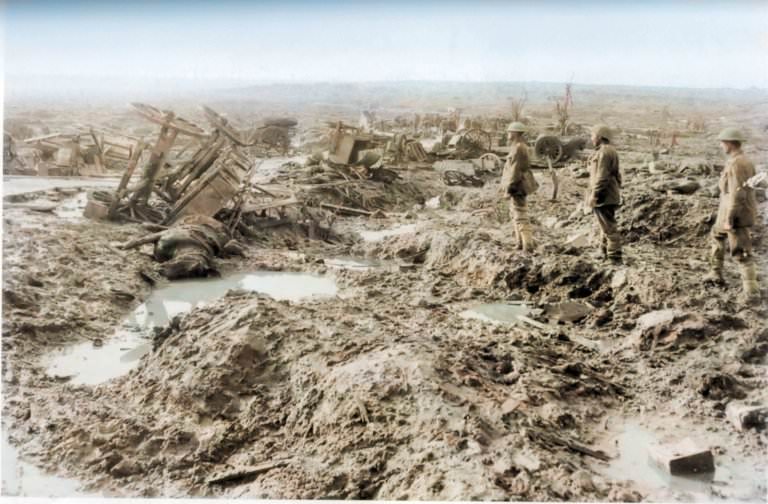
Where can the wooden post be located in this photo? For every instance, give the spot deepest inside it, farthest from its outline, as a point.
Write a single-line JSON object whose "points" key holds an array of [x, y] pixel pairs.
{"points": [[126, 177], [157, 159], [554, 178]]}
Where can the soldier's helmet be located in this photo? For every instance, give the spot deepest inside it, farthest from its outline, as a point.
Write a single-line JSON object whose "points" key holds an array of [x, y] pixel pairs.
{"points": [[602, 131], [516, 127], [731, 135]]}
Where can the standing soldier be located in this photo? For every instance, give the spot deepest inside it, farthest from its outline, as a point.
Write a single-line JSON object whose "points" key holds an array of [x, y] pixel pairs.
{"points": [[518, 182], [604, 196], [735, 216]]}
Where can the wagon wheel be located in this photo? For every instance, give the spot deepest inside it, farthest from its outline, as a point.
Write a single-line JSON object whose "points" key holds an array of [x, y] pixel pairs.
{"points": [[162, 118], [221, 123], [493, 159], [454, 177], [548, 147], [479, 138]]}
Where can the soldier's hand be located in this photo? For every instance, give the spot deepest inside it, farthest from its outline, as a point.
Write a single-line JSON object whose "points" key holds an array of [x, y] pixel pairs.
{"points": [[727, 226]]}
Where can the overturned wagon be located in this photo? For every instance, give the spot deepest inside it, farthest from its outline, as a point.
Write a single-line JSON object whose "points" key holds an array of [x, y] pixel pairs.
{"points": [[201, 185]]}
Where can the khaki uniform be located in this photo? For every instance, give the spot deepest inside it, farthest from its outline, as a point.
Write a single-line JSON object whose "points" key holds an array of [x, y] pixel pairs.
{"points": [[604, 197], [738, 207], [518, 182]]}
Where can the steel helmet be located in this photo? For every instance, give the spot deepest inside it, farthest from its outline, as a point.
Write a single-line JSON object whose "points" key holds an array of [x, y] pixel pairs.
{"points": [[517, 127], [602, 131], [731, 135]]}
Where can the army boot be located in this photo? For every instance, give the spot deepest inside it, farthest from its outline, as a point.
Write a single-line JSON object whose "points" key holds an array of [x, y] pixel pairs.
{"points": [[716, 261], [526, 239], [518, 241], [715, 275], [751, 294]]}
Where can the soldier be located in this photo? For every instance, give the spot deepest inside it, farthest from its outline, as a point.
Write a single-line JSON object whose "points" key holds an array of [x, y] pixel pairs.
{"points": [[517, 182], [604, 196], [735, 216]]}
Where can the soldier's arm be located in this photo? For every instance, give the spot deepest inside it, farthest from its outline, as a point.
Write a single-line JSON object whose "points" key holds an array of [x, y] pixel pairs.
{"points": [[518, 166], [506, 175], [617, 170]]}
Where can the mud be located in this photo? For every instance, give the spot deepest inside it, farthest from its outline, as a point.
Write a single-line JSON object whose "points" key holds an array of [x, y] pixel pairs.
{"points": [[382, 387]]}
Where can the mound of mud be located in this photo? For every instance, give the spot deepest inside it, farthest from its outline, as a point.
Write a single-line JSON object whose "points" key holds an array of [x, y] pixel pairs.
{"points": [[659, 219], [253, 397]]}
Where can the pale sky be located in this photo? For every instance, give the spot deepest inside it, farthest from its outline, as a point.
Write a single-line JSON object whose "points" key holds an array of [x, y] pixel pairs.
{"points": [[673, 43]]}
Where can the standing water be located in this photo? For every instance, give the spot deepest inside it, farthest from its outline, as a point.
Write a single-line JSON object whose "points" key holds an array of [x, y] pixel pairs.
{"points": [[86, 363], [497, 313], [21, 184], [374, 236], [741, 480], [21, 479]]}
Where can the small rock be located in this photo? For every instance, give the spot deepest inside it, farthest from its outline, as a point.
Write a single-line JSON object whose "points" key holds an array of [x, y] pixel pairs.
{"points": [[618, 494], [569, 311], [558, 416], [683, 457], [581, 480], [603, 317], [378, 214], [33, 282], [433, 203], [125, 468], [549, 222], [580, 239], [619, 279], [234, 248], [745, 416]]}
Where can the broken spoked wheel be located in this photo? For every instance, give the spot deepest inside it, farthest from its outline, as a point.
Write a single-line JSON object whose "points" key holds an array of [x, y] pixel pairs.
{"points": [[490, 162], [478, 138], [548, 147], [456, 178]]}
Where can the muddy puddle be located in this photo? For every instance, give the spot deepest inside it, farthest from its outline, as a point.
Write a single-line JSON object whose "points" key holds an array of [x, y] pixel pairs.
{"points": [[90, 364], [72, 208], [269, 168], [19, 185], [497, 313], [374, 236], [355, 263], [735, 479], [22, 479]]}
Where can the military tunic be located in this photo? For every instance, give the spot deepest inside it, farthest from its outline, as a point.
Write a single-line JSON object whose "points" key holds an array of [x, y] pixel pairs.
{"points": [[738, 209], [604, 196]]}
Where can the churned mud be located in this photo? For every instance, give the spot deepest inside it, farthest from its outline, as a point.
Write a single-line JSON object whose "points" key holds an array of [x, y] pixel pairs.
{"points": [[426, 358]]}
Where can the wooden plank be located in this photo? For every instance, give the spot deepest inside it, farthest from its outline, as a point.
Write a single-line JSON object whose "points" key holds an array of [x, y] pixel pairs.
{"points": [[272, 204], [246, 472], [343, 209]]}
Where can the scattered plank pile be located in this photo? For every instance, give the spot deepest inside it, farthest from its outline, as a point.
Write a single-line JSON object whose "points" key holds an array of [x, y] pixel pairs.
{"points": [[201, 185]]}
